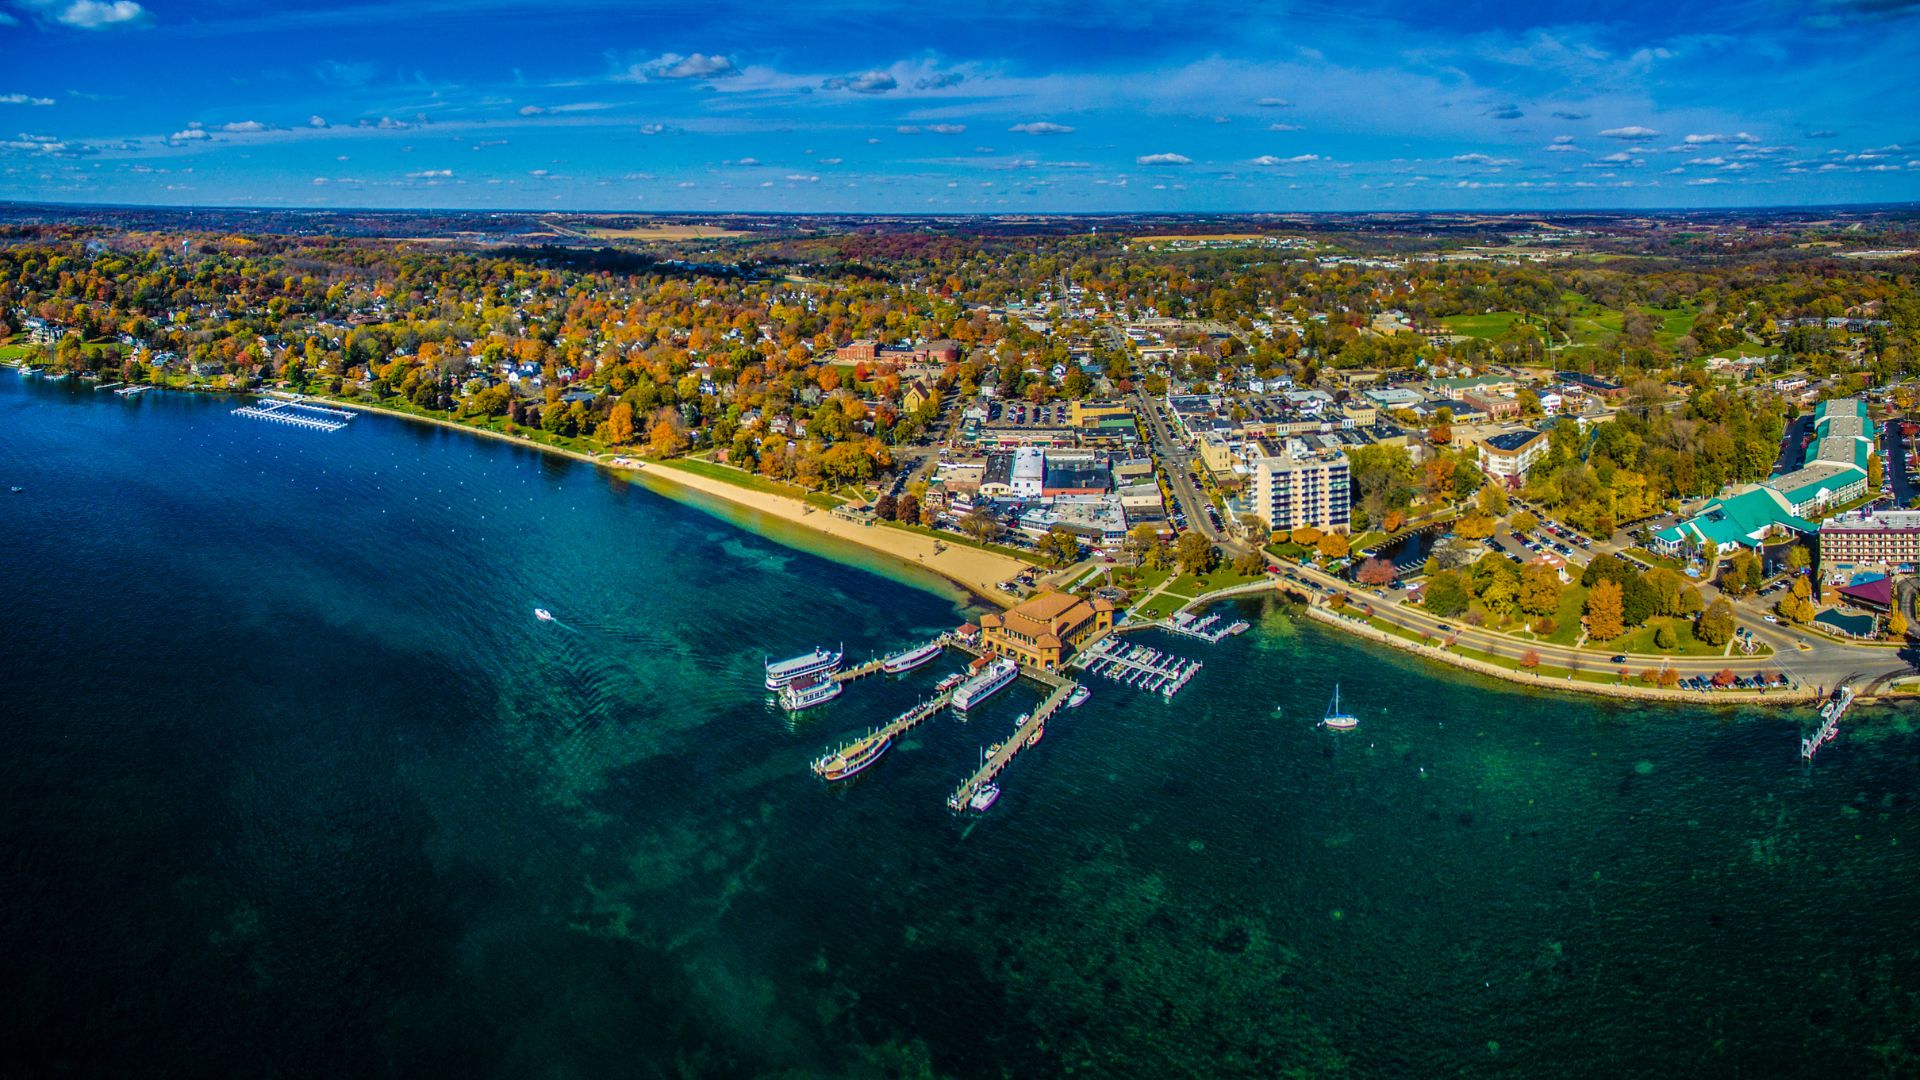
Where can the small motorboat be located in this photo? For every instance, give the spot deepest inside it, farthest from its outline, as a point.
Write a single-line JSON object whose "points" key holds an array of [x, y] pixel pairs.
{"points": [[1078, 697], [543, 614], [984, 798], [17, 489]]}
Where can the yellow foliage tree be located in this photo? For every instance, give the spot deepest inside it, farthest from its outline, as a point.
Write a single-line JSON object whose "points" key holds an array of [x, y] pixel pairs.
{"points": [[1605, 611]]}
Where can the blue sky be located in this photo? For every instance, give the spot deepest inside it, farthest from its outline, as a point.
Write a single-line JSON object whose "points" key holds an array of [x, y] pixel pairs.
{"points": [[1046, 105]]}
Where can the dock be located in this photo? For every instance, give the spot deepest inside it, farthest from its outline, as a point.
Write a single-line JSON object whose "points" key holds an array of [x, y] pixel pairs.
{"points": [[899, 725], [876, 665], [1138, 666], [1023, 736], [1829, 729], [130, 391], [1208, 629], [297, 413]]}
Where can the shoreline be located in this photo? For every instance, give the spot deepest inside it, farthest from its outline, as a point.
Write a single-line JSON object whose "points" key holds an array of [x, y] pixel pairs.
{"points": [[975, 572]]}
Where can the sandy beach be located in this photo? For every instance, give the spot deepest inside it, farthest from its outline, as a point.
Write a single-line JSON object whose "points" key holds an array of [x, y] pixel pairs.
{"points": [[980, 572]]}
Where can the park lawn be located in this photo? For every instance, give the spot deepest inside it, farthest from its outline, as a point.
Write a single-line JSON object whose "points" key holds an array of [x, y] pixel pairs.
{"points": [[1220, 577], [1147, 580], [14, 352], [1491, 326], [1566, 620], [1160, 606], [1640, 639], [1745, 348]]}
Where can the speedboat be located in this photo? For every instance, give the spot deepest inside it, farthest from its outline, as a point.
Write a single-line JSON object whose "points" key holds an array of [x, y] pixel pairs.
{"points": [[543, 614], [984, 798], [1078, 697]]}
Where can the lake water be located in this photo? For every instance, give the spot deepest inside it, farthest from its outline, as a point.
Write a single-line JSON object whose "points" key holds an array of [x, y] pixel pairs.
{"points": [[293, 783]]}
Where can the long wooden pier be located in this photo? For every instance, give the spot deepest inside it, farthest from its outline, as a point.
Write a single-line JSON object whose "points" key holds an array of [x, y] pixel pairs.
{"points": [[1023, 736], [899, 725]]}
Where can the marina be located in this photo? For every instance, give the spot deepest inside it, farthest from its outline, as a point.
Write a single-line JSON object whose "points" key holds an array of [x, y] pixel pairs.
{"points": [[1138, 666], [297, 413]]}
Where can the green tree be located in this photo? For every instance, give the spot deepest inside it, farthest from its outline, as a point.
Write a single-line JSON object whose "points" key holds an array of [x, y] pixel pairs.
{"points": [[1797, 558], [1446, 594], [1664, 637], [1525, 521]]}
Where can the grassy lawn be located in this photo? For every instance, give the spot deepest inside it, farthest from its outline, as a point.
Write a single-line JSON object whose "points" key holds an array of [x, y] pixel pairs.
{"points": [[15, 352], [727, 474], [1589, 324], [1221, 577], [1640, 639], [1160, 606], [1148, 579]]}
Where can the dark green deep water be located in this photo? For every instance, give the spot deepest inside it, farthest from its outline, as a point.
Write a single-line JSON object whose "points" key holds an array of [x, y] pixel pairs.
{"points": [[293, 784]]}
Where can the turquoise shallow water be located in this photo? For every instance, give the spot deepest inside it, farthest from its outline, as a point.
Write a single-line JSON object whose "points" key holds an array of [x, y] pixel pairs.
{"points": [[294, 784]]}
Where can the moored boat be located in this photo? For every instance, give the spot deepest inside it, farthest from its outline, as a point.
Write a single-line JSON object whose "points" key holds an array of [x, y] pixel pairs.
{"points": [[1078, 697], [1335, 719], [984, 798], [912, 658], [850, 759], [990, 681], [808, 691], [950, 681], [817, 662]]}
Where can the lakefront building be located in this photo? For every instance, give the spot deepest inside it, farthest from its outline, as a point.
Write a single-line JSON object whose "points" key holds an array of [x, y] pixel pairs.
{"points": [[1510, 454], [1292, 490], [1041, 631], [1888, 540]]}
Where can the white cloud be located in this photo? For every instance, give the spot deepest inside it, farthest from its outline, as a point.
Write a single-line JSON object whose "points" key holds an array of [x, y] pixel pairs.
{"points": [[1703, 181], [675, 66], [1273, 103], [430, 174], [652, 129], [531, 110], [1562, 148], [800, 178], [316, 121], [867, 82], [93, 14], [1163, 159], [1633, 131], [1487, 160], [1618, 158], [1736, 137], [1297, 159], [192, 134], [746, 163], [1041, 127], [1283, 127], [24, 99], [947, 129], [243, 127]]}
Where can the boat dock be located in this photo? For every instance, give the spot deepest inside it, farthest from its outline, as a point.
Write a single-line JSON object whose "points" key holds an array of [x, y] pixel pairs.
{"points": [[1829, 729], [899, 725], [109, 386], [1138, 666], [876, 665], [1023, 736], [298, 413], [130, 391], [1208, 629]]}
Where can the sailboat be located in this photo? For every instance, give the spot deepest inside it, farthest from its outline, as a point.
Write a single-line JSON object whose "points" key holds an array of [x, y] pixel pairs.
{"points": [[1336, 719]]}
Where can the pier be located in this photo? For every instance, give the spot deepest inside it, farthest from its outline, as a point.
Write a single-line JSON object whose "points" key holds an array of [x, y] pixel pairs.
{"points": [[1023, 736], [877, 664], [1138, 666], [298, 413], [1208, 629], [899, 725], [1829, 729], [130, 391]]}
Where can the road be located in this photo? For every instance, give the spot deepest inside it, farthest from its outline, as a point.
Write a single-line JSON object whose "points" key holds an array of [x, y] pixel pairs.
{"points": [[1821, 663], [1893, 455], [1175, 461]]}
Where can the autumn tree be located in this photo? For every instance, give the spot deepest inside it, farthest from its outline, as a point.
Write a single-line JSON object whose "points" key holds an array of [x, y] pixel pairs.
{"points": [[1333, 545], [1530, 659], [1716, 624], [620, 424], [1195, 553], [1375, 571], [1604, 613], [668, 435], [1896, 625], [1539, 589]]}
